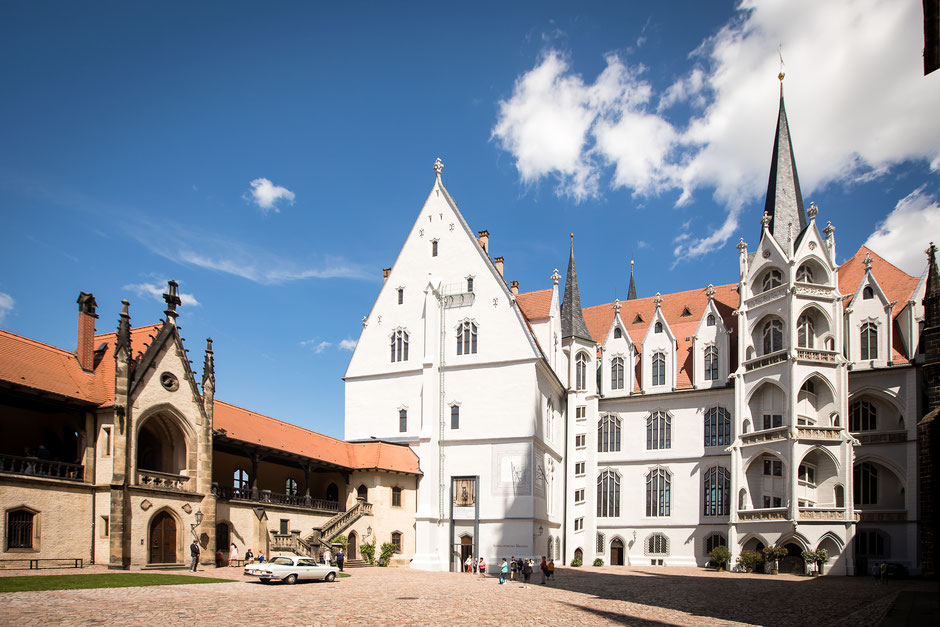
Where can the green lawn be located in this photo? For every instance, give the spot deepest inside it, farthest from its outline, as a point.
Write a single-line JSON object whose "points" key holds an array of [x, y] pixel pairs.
{"points": [[345, 575], [106, 580]]}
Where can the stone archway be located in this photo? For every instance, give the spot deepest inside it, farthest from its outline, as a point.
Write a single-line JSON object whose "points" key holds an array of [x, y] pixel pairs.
{"points": [[352, 545], [163, 539], [616, 552]]}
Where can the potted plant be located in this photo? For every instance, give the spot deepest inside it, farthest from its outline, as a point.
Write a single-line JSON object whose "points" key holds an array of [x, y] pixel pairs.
{"points": [[822, 556], [810, 558], [576, 562], [748, 560], [773, 554], [598, 561], [719, 556]]}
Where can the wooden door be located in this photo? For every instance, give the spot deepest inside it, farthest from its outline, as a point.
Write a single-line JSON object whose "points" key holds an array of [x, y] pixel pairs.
{"points": [[222, 541], [466, 550], [163, 539], [351, 546]]}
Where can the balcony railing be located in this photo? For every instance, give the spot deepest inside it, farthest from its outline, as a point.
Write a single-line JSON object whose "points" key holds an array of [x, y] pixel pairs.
{"points": [[889, 515], [766, 297], [817, 355], [822, 513], [766, 435], [163, 480], [766, 360], [887, 437], [767, 513], [273, 498], [814, 290], [809, 432], [36, 467]]}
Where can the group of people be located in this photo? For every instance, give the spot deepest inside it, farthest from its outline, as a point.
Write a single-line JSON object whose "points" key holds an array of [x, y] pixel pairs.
{"points": [[521, 567], [340, 558]]}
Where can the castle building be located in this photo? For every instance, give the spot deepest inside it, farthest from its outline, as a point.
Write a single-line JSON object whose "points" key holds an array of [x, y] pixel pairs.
{"points": [[780, 409], [117, 454]]}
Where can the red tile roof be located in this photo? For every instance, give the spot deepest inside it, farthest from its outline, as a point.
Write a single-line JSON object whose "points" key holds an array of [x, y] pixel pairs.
{"points": [[45, 368], [535, 305], [897, 285]]}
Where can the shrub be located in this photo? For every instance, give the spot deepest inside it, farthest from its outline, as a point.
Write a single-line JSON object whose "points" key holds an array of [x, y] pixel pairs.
{"points": [[748, 560], [818, 558], [719, 556], [388, 549], [340, 539], [773, 552], [368, 552], [598, 562], [576, 562]]}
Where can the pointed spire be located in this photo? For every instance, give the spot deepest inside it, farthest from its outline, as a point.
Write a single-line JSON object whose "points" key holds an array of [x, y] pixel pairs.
{"points": [[631, 291], [124, 329], [208, 365], [784, 201], [172, 302], [572, 318]]}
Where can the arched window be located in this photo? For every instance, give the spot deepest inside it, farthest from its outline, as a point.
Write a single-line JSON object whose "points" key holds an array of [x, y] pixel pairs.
{"points": [[772, 279], [402, 420], [717, 427], [863, 416], [399, 345], [866, 484], [579, 554], [290, 487], [773, 336], [804, 274], [362, 492], [658, 328], [396, 541], [434, 248], [659, 369], [839, 493], [617, 333], [580, 373], [401, 295], [717, 491], [551, 546], [608, 494], [396, 497], [658, 489], [332, 493], [711, 364], [470, 284], [871, 543], [608, 434], [467, 338], [20, 529], [714, 541], [869, 341], [455, 416], [805, 331], [710, 320], [658, 430], [868, 293], [657, 544], [616, 373], [240, 480]]}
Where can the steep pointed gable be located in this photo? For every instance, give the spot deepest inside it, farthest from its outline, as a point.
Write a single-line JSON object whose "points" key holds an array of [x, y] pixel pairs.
{"points": [[784, 202], [572, 318], [896, 284]]}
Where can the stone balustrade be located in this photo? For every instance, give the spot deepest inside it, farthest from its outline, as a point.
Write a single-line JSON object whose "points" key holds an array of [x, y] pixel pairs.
{"points": [[812, 432], [822, 513], [817, 355], [887, 437], [273, 498], [767, 513], [766, 297], [41, 468], [766, 360], [162, 480], [765, 435], [814, 290]]}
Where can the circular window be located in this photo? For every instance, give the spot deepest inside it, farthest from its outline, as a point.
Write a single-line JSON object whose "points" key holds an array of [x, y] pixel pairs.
{"points": [[169, 381]]}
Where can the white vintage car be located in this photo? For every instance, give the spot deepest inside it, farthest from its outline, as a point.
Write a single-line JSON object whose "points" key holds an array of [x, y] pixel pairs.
{"points": [[291, 569]]}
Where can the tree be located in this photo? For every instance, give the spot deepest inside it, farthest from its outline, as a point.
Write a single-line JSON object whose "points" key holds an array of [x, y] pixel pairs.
{"points": [[774, 553], [388, 549], [719, 556], [748, 560]]}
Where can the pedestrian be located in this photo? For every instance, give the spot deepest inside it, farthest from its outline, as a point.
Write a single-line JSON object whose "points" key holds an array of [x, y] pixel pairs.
{"points": [[474, 567], [468, 565], [883, 571], [526, 569], [261, 557], [503, 569], [194, 552], [544, 568], [340, 559], [218, 558], [512, 568], [551, 569], [233, 555], [249, 557], [482, 568], [326, 556]]}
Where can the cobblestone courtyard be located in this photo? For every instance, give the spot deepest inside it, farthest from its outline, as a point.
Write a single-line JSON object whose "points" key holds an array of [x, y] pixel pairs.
{"points": [[373, 596]]}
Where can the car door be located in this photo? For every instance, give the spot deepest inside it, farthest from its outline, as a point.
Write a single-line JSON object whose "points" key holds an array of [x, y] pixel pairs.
{"points": [[307, 568]]}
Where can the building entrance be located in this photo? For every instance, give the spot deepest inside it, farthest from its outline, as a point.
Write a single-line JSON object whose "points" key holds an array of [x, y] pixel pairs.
{"points": [[163, 539]]}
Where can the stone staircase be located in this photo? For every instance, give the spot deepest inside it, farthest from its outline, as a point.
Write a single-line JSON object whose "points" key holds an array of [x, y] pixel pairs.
{"points": [[357, 563], [312, 545]]}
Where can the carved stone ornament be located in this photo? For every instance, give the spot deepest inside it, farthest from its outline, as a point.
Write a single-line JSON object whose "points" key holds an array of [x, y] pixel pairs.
{"points": [[766, 254], [617, 306], [420, 232], [187, 508], [812, 245], [555, 277], [742, 247], [867, 261], [710, 291], [812, 211], [765, 220], [495, 302], [451, 226], [438, 166], [658, 301], [169, 381], [145, 505]]}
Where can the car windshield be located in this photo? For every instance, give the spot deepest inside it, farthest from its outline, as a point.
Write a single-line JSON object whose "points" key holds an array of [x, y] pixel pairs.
{"points": [[283, 561]]}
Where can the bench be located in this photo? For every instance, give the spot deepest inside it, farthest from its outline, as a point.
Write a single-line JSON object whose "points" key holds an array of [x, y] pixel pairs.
{"points": [[63, 562]]}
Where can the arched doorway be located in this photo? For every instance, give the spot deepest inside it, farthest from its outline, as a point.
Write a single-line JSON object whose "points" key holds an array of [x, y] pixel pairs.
{"points": [[161, 445], [466, 548], [223, 541], [351, 545], [793, 563], [332, 493], [616, 552], [579, 554], [163, 539], [363, 493]]}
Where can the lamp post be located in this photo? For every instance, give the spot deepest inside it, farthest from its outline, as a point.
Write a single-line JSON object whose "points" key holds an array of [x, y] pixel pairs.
{"points": [[198, 522]]}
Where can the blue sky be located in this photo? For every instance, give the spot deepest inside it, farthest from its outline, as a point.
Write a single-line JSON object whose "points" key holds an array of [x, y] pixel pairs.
{"points": [[271, 157]]}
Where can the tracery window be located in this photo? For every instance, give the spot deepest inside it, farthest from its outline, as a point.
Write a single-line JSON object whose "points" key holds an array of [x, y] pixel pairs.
{"points": [[608, 434], [402, 420], [866, 484], [711, 364], [581, 371], [805, 331], [616, 373], [717, 491], [717, 427], [399, 345], [608, 494], [657, 544], [804, 274], [659, 369], [772, 279], [240, 480], [863, 416], [467, 338], [658, 492], [773, 336], [658, 430], [869, 341]]}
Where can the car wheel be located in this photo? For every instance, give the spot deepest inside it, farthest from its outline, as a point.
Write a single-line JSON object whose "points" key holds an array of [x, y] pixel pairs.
{"points": [[330, 576], [290, 579]]}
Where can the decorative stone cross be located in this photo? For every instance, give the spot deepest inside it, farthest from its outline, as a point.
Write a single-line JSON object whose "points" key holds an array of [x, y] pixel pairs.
{"points": [[555, 277], [438, 166], [710, 291], [867, 261], [812, 211], [742, 247], [829, 230], [617, 307], [658, 300], [931, 252], [765, 220]]}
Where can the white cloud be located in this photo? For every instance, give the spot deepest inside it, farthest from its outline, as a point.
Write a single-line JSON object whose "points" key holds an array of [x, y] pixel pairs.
{"points": [[347, 344], [317, 345], [904, 235], [156, 289], [857, 105], [6, 305], [266, 195]]}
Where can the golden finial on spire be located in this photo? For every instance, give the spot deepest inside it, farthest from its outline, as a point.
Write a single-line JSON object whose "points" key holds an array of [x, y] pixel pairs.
{"points": [[572, 235], [781, 74]]}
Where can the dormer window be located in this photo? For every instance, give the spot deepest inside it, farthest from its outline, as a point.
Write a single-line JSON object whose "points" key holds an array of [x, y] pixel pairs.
{"points": [[711, 364], [686, 312], [618, 333], [638, 319], [772, 279], [869, 341], [868, 293], [659, 369], [659, 327], [434, 248], [470, 284], [710, 320], [616, 373], [401, 295]]}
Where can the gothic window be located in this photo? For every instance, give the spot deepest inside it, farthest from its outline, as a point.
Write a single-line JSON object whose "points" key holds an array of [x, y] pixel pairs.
{"points": [[470, 284], [869, 341], [868, 293], [772, 279], [805, 331], [399, 345], [717, 491], [714, 541], [773, 467], [710, 320], [658, 430], [804, 274], [396, 541], [616, 373], [455, 416], [434, 248], [658, 328], [659, 369], [862, 416], [657, 544], [466, 338], [396, 497], [20, 529], [711, 364], [618, 333], [608, 494], [866, 484], [401, 295], [240, 480], [658, 488], [402, 420], [290, 487], [551, 546], [773, 336], [717, 427], [608, 434], [581, 371]]}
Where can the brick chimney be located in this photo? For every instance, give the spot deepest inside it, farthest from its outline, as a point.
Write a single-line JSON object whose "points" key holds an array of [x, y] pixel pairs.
{"points": [[484, 239], [385, 273], [85, 348], [498, 262], [514, 287]]}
